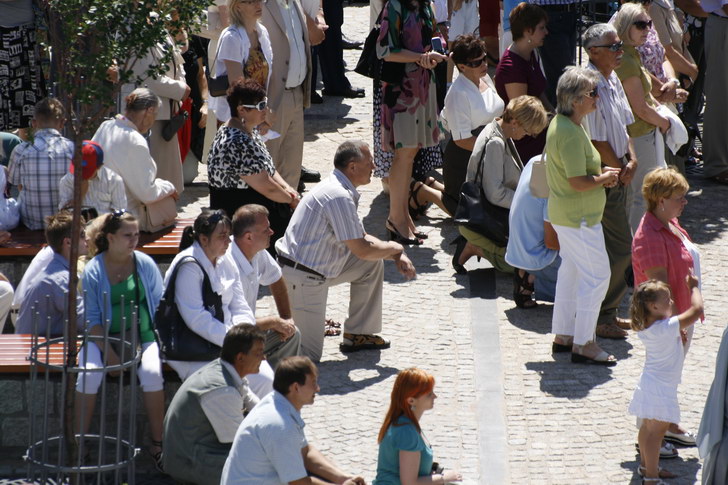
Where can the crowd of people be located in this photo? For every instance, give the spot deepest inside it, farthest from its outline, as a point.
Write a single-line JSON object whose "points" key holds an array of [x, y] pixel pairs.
{"points": [[580, 171]]}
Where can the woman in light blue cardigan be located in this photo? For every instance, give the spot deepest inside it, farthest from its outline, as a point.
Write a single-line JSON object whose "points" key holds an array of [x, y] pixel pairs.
{"points": [[115, 281]]}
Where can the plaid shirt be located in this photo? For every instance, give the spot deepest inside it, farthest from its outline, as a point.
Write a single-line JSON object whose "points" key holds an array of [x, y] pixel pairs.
{"points": [[38, 168]]}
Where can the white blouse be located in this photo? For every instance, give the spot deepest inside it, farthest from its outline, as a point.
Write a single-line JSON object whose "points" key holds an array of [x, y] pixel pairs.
{"points": [[234, 46], [466, 108]]}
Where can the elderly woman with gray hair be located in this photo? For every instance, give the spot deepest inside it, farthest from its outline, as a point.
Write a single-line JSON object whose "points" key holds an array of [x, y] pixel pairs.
{"points": [[576, 182], [632, 23]]}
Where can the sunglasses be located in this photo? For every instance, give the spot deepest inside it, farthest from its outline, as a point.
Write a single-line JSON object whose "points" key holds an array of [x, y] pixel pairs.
{"points": [[215, 217], [592, 94], [118, 213], [617, 46], [642, 24], [475, 63], [259, 106]]}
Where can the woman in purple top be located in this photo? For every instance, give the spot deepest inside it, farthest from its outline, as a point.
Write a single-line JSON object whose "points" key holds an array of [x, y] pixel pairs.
{"points": [[519, 71]]}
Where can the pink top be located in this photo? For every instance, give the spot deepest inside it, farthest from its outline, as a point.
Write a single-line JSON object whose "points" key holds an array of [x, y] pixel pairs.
{"points": [[654, 246]]}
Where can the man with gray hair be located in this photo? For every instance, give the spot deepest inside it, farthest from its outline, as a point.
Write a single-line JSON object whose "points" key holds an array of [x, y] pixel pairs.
{"points": [[607, 127], [326, 245]]}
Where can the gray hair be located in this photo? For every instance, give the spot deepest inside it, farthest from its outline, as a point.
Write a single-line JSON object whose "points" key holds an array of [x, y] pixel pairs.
{"points": [[595, 34], [141, 99], [573, 83], [348, 152], [624, 19]]}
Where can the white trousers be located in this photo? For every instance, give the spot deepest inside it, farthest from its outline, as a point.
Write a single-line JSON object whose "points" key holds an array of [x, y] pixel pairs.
{"points": [[650, 152], [582, 282], [149, 371]]}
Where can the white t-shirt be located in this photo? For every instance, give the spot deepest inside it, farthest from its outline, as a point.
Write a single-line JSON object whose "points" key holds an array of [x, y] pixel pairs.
{"points": [[664, 353], [466, 108]]}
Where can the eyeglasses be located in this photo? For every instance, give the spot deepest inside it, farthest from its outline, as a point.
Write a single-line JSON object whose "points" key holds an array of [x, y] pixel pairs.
{"points": [[617, 46], [259, 106], [592, 94], [475, 63], [642, 24]]}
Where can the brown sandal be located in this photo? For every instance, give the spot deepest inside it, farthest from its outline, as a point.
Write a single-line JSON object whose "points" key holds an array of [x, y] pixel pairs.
{"points": [[332, 328]]}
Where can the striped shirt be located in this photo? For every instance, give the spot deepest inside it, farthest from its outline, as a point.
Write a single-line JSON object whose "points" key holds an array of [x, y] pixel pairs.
{"points": [[609, 121], [38, 167], [324, 219]]}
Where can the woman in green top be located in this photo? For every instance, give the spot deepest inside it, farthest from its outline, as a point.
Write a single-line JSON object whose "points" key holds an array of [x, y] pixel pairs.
{"points": [[405, 456], [116, 282], [576, 202], [632, 23]]}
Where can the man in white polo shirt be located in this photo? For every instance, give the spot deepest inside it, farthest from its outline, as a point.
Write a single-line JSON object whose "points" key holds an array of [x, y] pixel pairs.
{"points": [[251, 234], [326, 245], [270, 446]]}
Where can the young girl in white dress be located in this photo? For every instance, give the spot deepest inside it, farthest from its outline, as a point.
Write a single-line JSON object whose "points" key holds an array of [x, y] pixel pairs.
{"points": [[655, 398]]}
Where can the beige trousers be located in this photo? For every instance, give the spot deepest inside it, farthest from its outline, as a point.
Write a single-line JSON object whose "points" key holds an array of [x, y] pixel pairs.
{"points": [[308, 294], [167, 157], [287, 149]]}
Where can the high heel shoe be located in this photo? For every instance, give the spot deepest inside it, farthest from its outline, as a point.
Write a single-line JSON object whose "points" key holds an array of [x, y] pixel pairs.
{"points": [[418, 209], [460, 243], [394, 235]]}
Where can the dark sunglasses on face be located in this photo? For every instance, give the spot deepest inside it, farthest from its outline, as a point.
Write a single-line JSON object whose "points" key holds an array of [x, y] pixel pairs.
{"points": [[617, 46], [475, 63], [642, 24], [259, 106]]}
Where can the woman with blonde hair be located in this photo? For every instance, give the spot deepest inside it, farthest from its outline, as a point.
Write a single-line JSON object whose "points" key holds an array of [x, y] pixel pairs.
{"points": [[632, 23], [405, 455], [495, 154], [576, 203], [244, 51]]}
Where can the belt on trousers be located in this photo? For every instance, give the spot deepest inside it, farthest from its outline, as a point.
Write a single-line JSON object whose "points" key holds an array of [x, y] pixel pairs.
{"points": [[289, 262]]}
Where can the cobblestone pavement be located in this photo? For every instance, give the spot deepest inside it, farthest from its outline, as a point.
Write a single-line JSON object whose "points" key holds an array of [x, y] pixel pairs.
{"points": [[564, 423]]}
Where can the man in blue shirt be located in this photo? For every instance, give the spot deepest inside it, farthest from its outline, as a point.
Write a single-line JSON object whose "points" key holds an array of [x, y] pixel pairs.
{"points": [[270, 446], [47, 296]]}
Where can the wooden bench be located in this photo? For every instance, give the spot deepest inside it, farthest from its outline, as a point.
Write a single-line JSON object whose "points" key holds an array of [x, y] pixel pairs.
{"points": [[15, 350], [24, 244]]}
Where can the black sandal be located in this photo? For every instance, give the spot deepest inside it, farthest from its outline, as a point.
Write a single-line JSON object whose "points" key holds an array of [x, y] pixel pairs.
{"points": [[523, 290], [418, 210]]}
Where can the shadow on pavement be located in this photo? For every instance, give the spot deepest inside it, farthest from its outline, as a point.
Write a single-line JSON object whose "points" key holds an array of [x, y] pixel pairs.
{"points": [[335, 376], [561, 378], [704, 217], [686, 470]]}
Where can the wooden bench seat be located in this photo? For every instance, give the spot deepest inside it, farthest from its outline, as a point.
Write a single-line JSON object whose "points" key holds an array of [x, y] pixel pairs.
{"points": [[24, 242], [15, 349]]}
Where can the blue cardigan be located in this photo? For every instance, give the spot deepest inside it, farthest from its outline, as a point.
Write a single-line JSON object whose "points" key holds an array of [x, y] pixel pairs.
{"points": [[95, 284]]}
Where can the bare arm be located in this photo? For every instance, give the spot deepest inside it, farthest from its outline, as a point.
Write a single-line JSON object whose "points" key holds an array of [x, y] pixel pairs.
{"points": [[695, 311], [606, 152], [680, 63], [409, 466], [466, 143], [280, 296], [551, 239], [514, 90], [691, 7], [636, 96], [582, 183], [234, 71], [371, 249], [317, 464], [265, 184]]}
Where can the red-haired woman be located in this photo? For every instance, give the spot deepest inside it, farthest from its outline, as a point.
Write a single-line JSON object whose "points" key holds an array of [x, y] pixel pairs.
{"points": [[405, 456]]}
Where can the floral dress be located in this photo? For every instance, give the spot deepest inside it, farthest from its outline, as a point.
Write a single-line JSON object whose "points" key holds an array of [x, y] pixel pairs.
{"points": [[409, 109]]}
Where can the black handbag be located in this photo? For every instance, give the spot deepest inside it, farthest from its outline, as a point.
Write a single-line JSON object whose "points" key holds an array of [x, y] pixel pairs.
{"points": [[478, 214], [373, 67], [176, 340], [216, 86], [174, 124]]}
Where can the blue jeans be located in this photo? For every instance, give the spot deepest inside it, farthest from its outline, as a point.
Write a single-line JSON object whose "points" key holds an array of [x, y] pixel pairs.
{"points": [[545, 284]]}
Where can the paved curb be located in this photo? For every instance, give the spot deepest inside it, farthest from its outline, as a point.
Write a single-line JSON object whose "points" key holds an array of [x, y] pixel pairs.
{"points": [[492, 436]]}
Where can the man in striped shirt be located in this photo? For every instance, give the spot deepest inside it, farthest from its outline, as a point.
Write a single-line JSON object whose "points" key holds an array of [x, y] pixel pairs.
{"points": [[608, 132], [326, 245]]}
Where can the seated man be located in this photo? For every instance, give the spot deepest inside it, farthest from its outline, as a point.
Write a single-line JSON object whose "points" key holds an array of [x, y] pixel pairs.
{"points": [[101, 187], [37, 168], [326, 245], [46, 297], [208, 408], [270, 446], [250, 239]]}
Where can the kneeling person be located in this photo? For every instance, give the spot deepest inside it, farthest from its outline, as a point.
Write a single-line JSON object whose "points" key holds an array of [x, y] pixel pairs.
{"points": [[208, 408]]}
